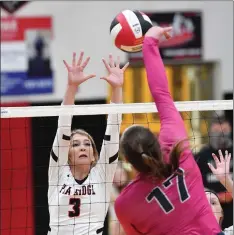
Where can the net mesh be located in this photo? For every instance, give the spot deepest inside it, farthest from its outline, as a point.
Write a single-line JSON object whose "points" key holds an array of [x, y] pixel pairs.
{"points": [[27, 135]]}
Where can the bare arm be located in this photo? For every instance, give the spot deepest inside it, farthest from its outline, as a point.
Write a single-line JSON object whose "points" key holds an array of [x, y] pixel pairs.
{"points": [[69, 97], [61, 143], [117, 95], [59, 152], [228, 184], [110, 146]]}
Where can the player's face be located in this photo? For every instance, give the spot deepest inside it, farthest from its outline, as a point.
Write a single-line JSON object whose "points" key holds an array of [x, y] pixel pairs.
{"points": [[215, 205], [81, 150]]}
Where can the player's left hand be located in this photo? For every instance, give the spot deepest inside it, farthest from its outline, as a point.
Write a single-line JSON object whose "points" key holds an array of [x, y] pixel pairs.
{"points": [[116, 75], [222, 169]]}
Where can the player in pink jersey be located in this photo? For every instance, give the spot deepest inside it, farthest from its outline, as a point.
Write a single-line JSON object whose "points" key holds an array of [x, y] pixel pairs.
{"points": [[167, 197]]}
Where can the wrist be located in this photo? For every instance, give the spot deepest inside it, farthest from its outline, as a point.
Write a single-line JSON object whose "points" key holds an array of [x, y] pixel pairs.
{"points": [[116, 96], [225, 179], [116, 88], [72, 87]]}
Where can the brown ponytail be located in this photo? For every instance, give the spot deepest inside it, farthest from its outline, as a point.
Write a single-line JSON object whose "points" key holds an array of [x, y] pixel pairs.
{"points": [[158, 169], [142, 149], [176, 152]]}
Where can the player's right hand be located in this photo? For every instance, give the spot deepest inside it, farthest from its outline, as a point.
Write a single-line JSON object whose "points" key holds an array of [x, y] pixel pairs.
{"points": [[75, 71], [157, 32]]}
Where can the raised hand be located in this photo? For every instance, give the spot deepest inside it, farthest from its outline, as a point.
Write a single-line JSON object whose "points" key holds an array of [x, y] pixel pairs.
{"points": [[115, 74], [222, 169], [157, 32], [75, 71]]}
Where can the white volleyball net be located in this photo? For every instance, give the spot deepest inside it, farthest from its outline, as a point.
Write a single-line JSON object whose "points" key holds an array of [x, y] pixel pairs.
{"points": [[27, 135]]}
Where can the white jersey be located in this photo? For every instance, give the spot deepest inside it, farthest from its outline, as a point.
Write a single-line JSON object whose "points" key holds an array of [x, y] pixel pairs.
{"points": [[80, 208], [228, 231]]}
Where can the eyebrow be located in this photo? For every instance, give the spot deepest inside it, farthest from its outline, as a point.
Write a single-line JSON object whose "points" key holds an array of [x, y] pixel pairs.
{"points": [[212, 194], [87, 140]]}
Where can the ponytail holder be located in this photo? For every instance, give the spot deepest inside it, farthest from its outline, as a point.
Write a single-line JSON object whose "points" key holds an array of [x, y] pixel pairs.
{"points": [[143, 154]]}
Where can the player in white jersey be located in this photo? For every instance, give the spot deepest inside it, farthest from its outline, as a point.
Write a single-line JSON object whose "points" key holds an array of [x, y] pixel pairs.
{"points": [[80, 181]]}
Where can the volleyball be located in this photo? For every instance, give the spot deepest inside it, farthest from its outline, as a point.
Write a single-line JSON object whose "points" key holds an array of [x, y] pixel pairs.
{"points": [[128, 29]]}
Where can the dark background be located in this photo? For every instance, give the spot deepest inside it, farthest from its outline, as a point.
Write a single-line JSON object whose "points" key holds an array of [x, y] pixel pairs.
{"points": [[163, 19], [229, 113]]}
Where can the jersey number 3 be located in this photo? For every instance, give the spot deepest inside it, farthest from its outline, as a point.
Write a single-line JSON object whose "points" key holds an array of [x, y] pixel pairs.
{"points": [[76, 207], [162, 199]]}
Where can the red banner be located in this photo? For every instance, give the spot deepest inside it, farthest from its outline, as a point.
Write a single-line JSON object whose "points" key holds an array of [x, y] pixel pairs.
{"points": [[17, 213], [13, 29]]}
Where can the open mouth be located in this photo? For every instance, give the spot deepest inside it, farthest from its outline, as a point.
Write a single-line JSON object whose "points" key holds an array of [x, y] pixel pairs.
{"points": [[83, 156]]}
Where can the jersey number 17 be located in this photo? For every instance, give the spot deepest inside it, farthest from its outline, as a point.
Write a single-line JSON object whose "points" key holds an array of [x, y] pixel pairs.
{"points": [[162, 199]]}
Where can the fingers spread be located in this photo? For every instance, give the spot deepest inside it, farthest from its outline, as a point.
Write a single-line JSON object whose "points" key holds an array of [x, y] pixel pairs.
{"points": [[80, 58], [111, 61], [211, 167], [227, 158], [90, 76], [104, 78], [67, 66], [215, 159], [106, 65], [74, 59], [221, 156], [118, 62], [85, 63], [125, 66]]}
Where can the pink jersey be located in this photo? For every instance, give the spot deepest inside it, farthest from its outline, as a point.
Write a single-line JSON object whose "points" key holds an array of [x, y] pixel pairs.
{"points": [[178, 205]]}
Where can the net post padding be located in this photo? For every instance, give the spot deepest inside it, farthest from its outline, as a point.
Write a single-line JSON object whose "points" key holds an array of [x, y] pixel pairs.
{"points": [[49, 111]]}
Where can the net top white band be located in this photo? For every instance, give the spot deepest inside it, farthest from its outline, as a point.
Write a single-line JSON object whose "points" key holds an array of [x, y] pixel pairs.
{"points": [[48, 111]]}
